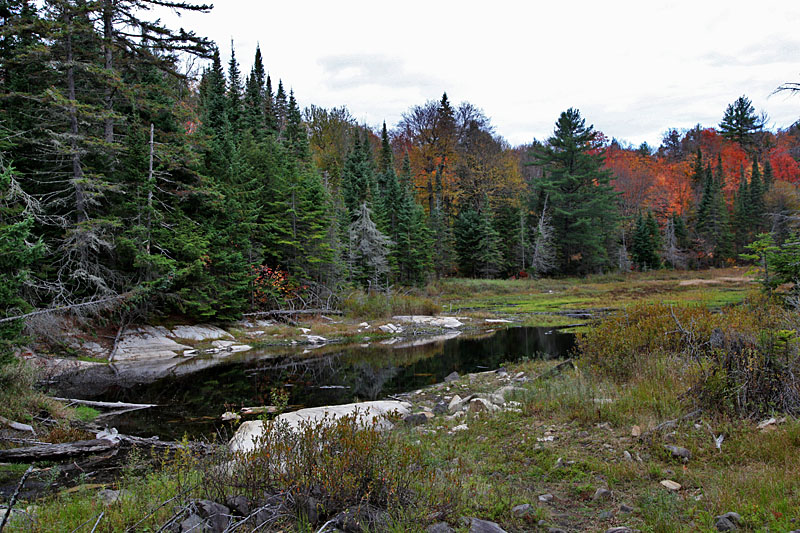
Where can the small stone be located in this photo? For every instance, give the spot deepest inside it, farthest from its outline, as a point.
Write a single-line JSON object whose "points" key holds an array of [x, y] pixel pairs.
{"points": [[484, 526], [440, 408], [555, 530], [479, 405], [522, 510], [627, 455], [723, 524], [454, 404], [108, 496], [462, 427], [453, 376], [678, 452], [670, 485], [625, 509], [621, 529], [544, 498], [734, 519], [602, 494], [605, 515], [239, 504], [416, 419], [636, 431]]}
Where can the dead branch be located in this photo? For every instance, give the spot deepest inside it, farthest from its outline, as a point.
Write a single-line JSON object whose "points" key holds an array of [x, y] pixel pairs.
{"points": [[14, 496], [106, 405], [55, 452]]}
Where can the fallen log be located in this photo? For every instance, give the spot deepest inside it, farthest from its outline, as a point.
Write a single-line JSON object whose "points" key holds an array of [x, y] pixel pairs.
{"points": [[56, 452], [106, 405]]}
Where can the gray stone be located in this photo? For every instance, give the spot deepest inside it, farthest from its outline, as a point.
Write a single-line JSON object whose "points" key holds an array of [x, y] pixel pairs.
{"points": [[193, 523], [440, 408], [733, 517], [440, 527], [621, 529], [239, 504], [522, 510], [452, 376], [625, 509], [416, 419], [602, 494], [723, 524], [678, 452], [484, 526], [605, 515], [544, 498], [216, 515], [555, 530]]}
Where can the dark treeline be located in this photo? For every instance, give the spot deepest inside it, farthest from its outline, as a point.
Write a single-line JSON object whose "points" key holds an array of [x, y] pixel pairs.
{"points": [[125, 178]]}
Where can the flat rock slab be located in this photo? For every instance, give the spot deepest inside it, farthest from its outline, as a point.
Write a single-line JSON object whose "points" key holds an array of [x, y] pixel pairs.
{"points": [[369, 413], [433, 321], [146, 342], [202, 332]]}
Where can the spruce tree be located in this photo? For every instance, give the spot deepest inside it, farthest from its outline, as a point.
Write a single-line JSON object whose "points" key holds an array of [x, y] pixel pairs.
{"points": [[742, 214], [757, 209], [584, 204], [254, 97], [235, 92]]}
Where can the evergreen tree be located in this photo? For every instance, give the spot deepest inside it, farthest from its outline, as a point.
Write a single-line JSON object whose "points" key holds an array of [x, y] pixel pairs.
{"points": [[254, 97], [740, 121], [296, 135], [713, 221], [270, 116], [281, 108], [358, 176], [768, 179], [18, 251], [757, 209], [584, 204], [646, 243], [234, 91], [369, 249], [742, 214]]}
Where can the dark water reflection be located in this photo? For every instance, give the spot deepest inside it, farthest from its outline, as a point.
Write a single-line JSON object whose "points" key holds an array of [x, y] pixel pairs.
{"points": [[192, 403]]}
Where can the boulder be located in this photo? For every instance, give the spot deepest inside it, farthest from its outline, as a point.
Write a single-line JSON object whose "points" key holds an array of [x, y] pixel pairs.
{"points": [[449, 322], [480, 405], [452, 376], [416, 419], [215, 514], [440, 527]]}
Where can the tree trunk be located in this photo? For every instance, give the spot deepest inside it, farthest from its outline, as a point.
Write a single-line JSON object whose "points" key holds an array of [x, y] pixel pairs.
{"points": [[55, 452]]}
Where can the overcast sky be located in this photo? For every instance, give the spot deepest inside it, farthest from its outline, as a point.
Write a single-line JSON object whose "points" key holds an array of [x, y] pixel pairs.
{"points": [[633, 68]]}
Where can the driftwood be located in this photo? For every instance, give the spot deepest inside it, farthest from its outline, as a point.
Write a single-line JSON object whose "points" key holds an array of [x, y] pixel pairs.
{"points": [[106, 405], [16, 425], [14, 496], [270, 409], [56, 452]]}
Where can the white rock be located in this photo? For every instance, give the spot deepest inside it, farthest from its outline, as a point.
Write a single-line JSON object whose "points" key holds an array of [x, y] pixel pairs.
{"points": [[305, 330], [363, 325], [497, 321], [370, 414], [461, 427], [434, 321], [315, 339], [202, 332], [670, 485], [478, 405]]}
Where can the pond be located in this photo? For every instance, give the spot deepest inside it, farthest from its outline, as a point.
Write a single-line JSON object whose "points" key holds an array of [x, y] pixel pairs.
{"points": [[192, 402]]}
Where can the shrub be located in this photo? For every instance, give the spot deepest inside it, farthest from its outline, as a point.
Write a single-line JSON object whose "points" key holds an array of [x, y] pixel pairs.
{"points": [[380, 305], [320, 470]]}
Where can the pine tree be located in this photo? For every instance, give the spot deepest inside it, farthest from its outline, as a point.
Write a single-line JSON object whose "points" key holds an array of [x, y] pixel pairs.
{"points": [[270, 116], [584, 204], [281, 108], [713, 221], [768, 179], [742, 214], [740, 121], [646, 243]]}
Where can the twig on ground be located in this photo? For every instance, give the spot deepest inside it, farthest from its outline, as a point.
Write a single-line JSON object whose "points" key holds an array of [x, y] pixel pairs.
{"points": [[14, 496]]}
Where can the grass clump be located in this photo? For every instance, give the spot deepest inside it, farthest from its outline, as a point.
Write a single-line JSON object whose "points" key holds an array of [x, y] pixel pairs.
{"points": [[379, 305]]}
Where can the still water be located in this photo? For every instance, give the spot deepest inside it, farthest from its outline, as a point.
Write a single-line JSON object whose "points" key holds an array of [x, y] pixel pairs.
{"points": [[191, 403]]}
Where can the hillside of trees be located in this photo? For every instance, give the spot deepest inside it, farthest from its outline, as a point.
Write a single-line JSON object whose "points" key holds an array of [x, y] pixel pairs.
{"points": [[130, 178]]}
